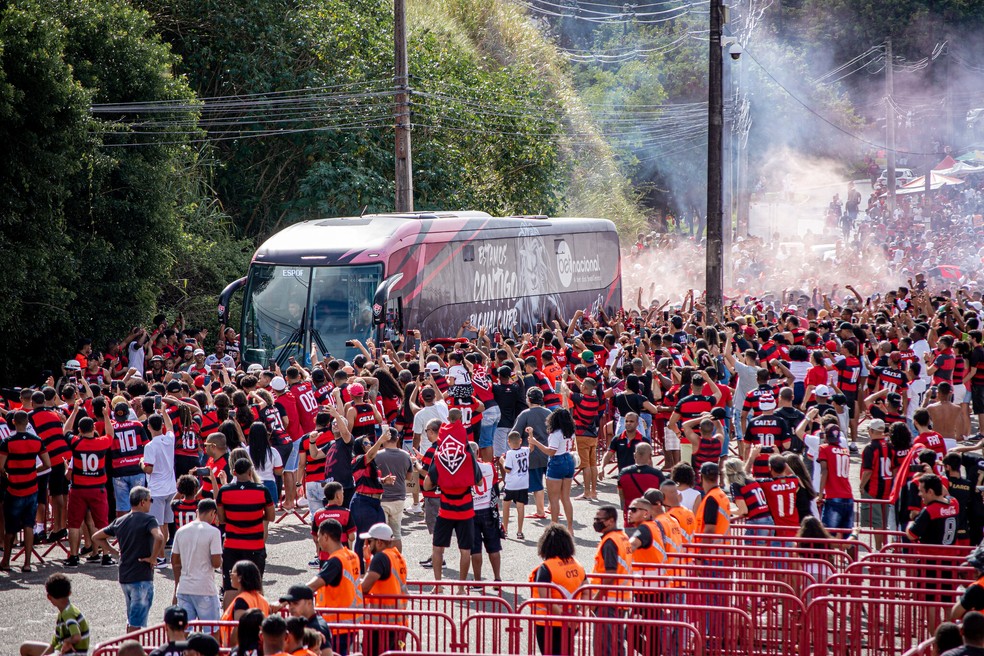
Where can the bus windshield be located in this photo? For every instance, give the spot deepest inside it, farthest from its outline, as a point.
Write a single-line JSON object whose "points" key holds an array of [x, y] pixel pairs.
{"points": [[290, 309]]}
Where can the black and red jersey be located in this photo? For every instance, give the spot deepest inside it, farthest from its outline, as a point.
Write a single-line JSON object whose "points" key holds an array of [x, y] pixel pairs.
{"points": [[129, 440], [215, 466], [187, 441], [708, 450], [244, 505], [89, 461], [550, 396], [185, 510], [22, 451], [587, 414], [753, 496], [773, 433], [366, 476], [936, 523], [977, 364], [210, 422], [339, 514], [365, 421], [271, 416], [323, 394], [768, 352], [47, 425], [944, 363], [848, 374], [471, 416], [877, 458], [751, 402], [894, 380], [314, 467], [693, 406]]}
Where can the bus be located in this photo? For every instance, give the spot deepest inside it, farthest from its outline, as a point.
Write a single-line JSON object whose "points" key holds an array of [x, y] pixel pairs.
{"points": [[318, 285]]}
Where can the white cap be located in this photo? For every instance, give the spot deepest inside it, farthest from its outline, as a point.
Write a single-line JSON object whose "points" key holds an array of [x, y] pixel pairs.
{"points": [[379, 531], [824, 391], [73, 364], [433, 367], [254, 368], [199, 352], [278, 383]]}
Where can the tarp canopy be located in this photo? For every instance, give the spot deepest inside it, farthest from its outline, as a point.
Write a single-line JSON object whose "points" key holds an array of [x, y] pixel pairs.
{"points": [[918, 185], [960, 169], [948, 162], [972, 156]]}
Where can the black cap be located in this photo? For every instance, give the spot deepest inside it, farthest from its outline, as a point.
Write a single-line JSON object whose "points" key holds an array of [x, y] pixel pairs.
{"points": [[845, 326], [174, 386], [710, 470], [176, 617], [298, 593], [205, 645]]}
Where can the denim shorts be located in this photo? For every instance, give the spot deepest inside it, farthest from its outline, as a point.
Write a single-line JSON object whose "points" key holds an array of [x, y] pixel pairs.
{"points": [[290, 463], [200, 607], [838, 513], [19, 512], [121, 490], [560, 467], [139, 598], [490, 421], [536, 479]]}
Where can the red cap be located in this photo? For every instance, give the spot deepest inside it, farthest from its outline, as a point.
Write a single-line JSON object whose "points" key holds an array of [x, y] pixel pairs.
{"points": [[200, 381], [831, 345], [750, 331]]}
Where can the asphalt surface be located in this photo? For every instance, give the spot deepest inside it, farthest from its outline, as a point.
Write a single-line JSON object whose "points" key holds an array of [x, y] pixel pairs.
{"points": [[25, 613]]}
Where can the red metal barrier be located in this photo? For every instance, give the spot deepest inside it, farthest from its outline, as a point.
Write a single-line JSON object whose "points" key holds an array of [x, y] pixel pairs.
{"points": [[512, 592], [868, 626], [928, 550], [927, 648], [437, 631], [455, 606], [795, 574], [913, 566], [155, 636], [698, 576], [727, 630], [776, 618], [499, 634], [923, 587], [771, 552]]}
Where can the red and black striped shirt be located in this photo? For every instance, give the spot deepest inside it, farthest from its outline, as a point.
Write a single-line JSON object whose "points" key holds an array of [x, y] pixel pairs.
{"points": [[185, 511], [366, 476], [944, 363], [89, 461], [342, 515], [314, 468], [550, 396], [365, 421], [693, 406], [244, 504], [216, 466], [129, 440], [894, 380], [48, 425], [587, 414], [22, 451], [848, 374], [753, 496]]}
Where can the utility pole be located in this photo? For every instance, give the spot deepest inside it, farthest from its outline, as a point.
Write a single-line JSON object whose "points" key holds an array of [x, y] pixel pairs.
{"points": [[715, 133], [401, 78], [890, 125]]}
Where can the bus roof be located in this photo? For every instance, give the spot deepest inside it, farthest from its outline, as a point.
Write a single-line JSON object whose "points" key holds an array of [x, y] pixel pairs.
{"points": [[344, 240]]}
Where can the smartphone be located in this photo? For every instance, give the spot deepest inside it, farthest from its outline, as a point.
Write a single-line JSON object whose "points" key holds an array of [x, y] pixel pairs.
{"points": [[272, 364], [157, 401], [291, 360], [175, 376], [232, 414], [539, 327], [203, 471], [376, 353], [915, 467], [666, 315], [409, 334], [497, 337], [73, 380], [349, 343], [207, 380]]}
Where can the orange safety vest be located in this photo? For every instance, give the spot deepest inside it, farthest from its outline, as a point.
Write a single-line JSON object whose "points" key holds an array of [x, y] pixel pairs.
{"points": [[722, 521], [687, 520], [673, 533], [621, 542], [395, 586], [656, 552], [347, 594], [568, 574], [253, 600]]}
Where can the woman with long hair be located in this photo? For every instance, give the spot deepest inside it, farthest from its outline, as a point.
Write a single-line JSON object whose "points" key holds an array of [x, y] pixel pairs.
{"points": [[242, 454], [806, 495], [266, 460], [244, 412], [749, 497], [560, 464], [247, 582], [556, 550], [233, 434], [389, 393], [249, 633], [811, 527]]}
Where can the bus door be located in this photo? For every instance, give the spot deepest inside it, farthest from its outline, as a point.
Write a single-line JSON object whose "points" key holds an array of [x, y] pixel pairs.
{"points": [[387, 310]]}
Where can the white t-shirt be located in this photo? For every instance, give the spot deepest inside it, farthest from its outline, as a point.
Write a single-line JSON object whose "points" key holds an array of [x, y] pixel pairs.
{"points": [[482, 492], [420, 420], [458, 375], [196, 543], [799, 369], [556, 440], [690, 498], [920, 349], [160, 454], [517, 466], [135, 352], [915, 393], [273, 460]]}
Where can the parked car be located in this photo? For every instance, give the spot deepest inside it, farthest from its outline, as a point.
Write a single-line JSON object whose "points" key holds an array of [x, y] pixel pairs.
{"points": [[902, 177]]}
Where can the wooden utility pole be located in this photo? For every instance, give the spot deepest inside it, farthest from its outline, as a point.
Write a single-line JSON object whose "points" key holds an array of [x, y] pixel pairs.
{"points": [[401, 78], [714, 269], [890, 125]]}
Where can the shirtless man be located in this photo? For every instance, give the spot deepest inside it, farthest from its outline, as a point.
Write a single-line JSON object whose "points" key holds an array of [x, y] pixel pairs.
{"points": [[947, 417]]}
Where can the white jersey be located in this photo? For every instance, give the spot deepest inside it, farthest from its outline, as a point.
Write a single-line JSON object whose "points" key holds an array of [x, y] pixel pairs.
{"points": [[517, 466], [482, 491]]}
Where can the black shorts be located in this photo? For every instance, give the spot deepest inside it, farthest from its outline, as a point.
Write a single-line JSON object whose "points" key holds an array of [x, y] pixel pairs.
{"points": [[43, 488], [58, 481], [486, 533], [232, 556], [852, 403], [463, 529], [977, 398], [517, 496]]}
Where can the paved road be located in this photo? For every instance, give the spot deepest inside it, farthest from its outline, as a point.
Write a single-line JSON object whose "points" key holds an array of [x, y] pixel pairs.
{"points": [[26, 614]]}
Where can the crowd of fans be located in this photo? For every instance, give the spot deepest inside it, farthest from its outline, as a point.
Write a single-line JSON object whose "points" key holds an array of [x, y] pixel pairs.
{"points": [[184, 455]]}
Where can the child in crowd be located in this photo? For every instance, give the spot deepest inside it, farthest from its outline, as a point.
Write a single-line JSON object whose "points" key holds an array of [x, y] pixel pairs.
{"points": [[516, 463], [71, 628], [334, 509], [185, 505]]}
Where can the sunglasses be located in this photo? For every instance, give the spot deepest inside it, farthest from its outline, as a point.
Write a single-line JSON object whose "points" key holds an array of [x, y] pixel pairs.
{"points": [[635, 509]]}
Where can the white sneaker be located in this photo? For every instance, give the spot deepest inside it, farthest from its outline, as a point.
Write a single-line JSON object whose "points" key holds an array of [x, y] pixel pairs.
{"points": [[415, 509], [302, 502]]}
